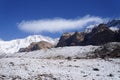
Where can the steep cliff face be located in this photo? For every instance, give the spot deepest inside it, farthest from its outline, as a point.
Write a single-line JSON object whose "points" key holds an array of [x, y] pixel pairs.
{"points": [[63, 39], [71, 39]]}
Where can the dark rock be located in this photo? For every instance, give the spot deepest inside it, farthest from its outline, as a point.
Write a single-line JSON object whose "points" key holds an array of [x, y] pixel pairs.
{"points": [[71, 39], [117, 36], [69, 58], [76, 39], [63, 39], [95, 69], [100, 35], [23, 50], [85, 75], [110, 75], [109, 50]]}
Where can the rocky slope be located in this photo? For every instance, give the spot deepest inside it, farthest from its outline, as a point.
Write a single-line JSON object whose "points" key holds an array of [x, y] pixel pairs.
{"points": [[37, 46]]}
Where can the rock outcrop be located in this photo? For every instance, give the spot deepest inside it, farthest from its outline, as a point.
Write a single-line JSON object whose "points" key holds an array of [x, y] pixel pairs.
{"points": [[71, 39], [109, 50], [37, 46]]}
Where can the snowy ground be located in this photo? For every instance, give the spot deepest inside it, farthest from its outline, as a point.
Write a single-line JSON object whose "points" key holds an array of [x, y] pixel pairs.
{"points": [[50, 69], [54, 64], [61, 52]]}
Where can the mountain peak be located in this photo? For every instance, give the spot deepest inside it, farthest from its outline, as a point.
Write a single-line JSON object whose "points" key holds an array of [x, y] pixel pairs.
{"points": [[14, 45], [114, 22]]}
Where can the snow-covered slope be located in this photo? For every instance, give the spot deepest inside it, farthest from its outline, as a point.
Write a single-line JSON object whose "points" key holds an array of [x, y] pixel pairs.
{"points": [[14, 45], [54, 64], [61, 52]]}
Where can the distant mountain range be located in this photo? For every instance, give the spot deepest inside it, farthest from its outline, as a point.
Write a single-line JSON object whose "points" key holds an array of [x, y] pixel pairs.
{"points": [[98, 35]]}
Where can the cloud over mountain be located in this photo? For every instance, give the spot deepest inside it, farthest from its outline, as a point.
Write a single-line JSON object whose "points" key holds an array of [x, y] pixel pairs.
{"points": [[58, 24]]}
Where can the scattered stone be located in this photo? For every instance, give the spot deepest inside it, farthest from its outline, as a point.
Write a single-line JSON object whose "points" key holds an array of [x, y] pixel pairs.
{"points": [[11, 63], [110, 75], [85, 75], [97, 75], [69, 58], [95, 69]]}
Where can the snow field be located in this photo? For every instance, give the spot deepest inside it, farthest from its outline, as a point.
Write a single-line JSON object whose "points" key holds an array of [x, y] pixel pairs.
{"points": [[60, 69]]}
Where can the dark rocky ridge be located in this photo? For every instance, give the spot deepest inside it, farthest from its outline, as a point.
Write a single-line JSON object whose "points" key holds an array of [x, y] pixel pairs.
{"points": [[71, 39], [98, 36]]}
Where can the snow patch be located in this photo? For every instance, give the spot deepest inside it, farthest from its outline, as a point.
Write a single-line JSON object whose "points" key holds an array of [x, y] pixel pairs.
{"points": [[114, 28]]}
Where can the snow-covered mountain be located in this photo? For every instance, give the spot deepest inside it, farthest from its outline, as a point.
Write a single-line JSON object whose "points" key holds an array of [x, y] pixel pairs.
{"points": [[14, 45], [114, 25]]}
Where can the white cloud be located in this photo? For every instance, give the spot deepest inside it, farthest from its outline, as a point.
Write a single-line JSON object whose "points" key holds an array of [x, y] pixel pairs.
{"points": [[58, 24]]}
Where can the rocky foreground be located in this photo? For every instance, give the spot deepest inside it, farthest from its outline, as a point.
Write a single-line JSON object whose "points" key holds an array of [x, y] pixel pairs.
{"points": [[59, 69]]}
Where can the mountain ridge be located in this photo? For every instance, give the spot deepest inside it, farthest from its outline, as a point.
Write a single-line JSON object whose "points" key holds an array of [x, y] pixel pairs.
{"points": [[98, 35]]}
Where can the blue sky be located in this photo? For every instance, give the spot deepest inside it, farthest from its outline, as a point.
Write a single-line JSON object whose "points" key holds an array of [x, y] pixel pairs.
{"points": [[15, 12]]}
